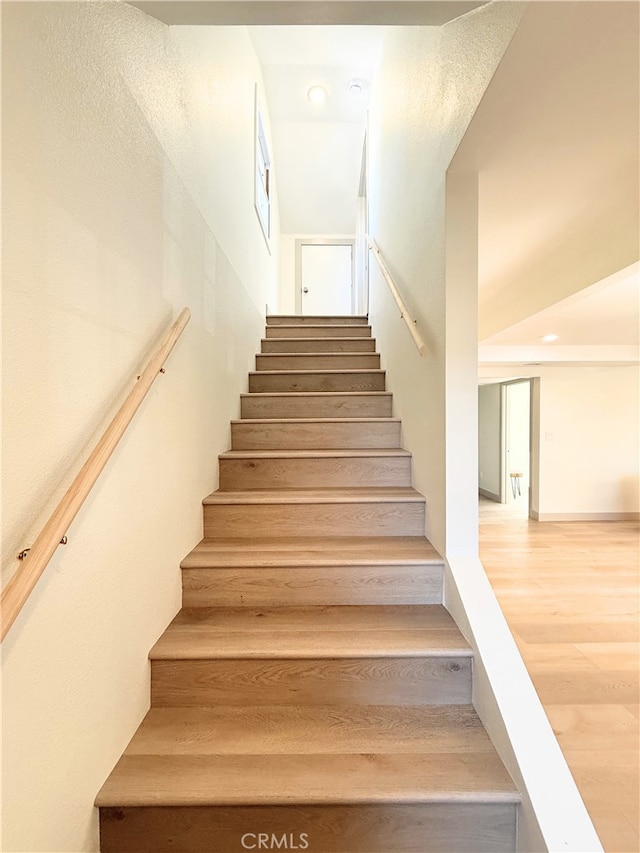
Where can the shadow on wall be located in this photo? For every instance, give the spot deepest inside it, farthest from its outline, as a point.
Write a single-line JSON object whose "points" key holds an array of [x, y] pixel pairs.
{"points": [[629, 491]]}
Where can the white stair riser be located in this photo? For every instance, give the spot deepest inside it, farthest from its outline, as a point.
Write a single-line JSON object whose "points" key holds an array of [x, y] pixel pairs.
{"points": [[315, 436], [321, 405], [274, 586], [308, 472]]}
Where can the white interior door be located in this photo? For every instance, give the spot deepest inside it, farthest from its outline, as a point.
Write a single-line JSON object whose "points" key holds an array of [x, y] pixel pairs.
{"points": [[326, 279]]}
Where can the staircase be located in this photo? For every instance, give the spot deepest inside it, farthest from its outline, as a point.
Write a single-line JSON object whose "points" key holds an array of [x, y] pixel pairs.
{"points": [[313, 693]]}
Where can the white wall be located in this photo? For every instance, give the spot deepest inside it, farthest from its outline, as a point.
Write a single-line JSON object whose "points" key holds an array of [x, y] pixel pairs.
{"points": [[425, 222], [584, 439], [128, 193], [429, 84], [589, 449], [287, 292], [320, 170], [489, 448]]}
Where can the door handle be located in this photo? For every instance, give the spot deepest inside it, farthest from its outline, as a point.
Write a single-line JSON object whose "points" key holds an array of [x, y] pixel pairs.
{"points": [[305, 290]]}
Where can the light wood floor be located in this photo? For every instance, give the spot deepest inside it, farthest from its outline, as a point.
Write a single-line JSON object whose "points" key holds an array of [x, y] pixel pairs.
{"points": [[569, 591]]}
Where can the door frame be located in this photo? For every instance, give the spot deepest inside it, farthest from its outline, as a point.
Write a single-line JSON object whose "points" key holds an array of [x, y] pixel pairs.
{"points": [[361, 274], [505, 484], [321, 241]]}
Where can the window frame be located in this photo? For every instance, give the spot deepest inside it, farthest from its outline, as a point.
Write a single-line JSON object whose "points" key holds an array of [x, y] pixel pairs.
{"points": [[262, 174]]}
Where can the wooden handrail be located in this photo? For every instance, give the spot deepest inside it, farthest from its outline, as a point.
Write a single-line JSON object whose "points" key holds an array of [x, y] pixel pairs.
{"points": [[404, 314], [18, 589]]}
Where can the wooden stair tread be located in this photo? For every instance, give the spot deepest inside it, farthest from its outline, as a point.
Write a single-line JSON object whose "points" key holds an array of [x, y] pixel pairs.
{"points": [[306, 340], [332, 631], [319, 354], [297, 421], [309, 729], [302, 394], [323, 342], [314, 618], [312, 320], [341, 371], [313, 551], [323, 326], [201, 643], [190, 780], [302, 318], [364, 453], [389, 494]]}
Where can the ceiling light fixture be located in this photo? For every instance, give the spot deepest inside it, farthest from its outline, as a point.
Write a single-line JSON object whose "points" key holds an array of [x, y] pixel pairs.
{"points": [[317, 94], [550, 338]]}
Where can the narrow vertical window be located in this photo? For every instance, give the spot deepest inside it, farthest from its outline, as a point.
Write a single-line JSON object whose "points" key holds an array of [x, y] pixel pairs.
{"points": [[263, 176]]}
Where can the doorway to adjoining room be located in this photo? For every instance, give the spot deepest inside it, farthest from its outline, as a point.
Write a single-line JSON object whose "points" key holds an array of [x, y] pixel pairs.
{"points": [[504, 447]]}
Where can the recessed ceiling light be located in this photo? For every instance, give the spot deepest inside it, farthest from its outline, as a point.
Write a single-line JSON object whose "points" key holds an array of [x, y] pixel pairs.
{"points": [[550, 338], [317, 94]]}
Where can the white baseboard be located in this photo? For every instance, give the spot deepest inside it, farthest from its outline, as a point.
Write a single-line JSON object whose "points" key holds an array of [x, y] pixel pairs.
{"points": [[492, 496], [584, 516]]}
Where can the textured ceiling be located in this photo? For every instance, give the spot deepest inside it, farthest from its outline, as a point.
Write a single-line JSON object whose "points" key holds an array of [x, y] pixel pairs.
{"points": [[374, 12]]}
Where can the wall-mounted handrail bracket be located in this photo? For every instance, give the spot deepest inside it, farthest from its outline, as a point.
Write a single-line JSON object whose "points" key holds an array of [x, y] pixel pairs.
{"points": [[25, 551], [162, 370], [404, 314], [19, 587]]}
